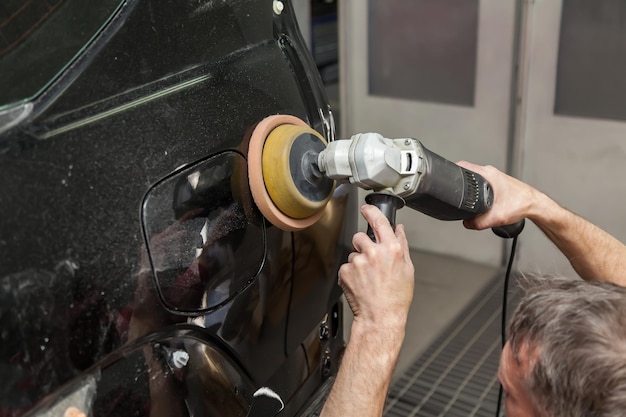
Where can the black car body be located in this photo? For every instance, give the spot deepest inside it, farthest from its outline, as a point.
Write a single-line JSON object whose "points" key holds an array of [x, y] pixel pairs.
{"points": [[137, 276]]}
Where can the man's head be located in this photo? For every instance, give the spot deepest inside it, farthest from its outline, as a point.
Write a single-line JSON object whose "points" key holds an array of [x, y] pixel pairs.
{"points": [[566, 354]]}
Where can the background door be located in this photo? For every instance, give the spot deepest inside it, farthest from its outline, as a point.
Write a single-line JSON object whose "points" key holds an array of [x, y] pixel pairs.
{"points": [[573, 145], [436, 70]]}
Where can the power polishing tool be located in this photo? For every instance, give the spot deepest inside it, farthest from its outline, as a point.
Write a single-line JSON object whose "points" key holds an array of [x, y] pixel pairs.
{"points": [[294, 170]]}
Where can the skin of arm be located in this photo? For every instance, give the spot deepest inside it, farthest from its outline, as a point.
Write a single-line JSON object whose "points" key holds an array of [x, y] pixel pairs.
{"points": [[378, 282], [593, 253]]}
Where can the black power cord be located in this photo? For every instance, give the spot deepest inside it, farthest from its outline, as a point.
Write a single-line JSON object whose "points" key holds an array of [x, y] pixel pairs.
{"points": [[511, 231]]}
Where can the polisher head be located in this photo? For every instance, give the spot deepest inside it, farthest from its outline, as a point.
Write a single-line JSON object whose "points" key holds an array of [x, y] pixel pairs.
{"points": [[282, 165]]}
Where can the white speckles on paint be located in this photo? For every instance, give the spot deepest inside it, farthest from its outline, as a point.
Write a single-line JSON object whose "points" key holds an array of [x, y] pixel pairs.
{"points": [[64, 181], [67, 266], [45, 340], [208, 6]]}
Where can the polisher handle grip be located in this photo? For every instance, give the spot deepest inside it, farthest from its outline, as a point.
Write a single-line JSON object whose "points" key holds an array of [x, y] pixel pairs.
{"points": [[387, 203], [510, 230]]}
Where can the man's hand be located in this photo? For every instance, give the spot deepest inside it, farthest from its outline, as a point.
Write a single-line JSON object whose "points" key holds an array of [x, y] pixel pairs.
{"points": [[592, 252], [378, 278], [513, 199], [378, 284]]}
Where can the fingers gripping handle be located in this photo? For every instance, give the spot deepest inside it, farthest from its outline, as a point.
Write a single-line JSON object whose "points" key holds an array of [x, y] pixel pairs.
{"points": [[387, 203]]}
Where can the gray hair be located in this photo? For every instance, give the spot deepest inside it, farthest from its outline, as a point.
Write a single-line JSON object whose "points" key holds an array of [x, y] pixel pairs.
{"points": [[575, 332]]}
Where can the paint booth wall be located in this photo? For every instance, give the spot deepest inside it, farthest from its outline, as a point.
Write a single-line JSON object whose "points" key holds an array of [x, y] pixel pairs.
{"points": [[533, 87]]}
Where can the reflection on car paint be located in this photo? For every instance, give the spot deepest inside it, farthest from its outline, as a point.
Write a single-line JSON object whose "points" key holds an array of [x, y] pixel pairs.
{"points": [[204, 237], [145, 380]]}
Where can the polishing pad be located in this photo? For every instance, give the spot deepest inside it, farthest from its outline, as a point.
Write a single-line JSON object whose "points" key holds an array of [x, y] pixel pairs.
{"points": [[284, 179]]}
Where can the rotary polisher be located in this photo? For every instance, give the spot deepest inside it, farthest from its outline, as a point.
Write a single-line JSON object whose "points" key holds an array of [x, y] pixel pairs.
{"points": [[293, 172]]}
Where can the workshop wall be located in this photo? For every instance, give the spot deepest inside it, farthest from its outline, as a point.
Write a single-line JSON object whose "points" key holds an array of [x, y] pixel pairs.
{"points": [[438, 71], [573, 116], [533, 88]]}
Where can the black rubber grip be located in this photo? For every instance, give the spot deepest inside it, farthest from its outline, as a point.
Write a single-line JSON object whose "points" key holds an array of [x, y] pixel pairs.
{"points": [[387, 203], [510, 230]]}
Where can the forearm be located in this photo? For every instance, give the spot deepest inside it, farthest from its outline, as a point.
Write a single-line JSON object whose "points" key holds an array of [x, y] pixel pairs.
{"points": [[362, 382], [593, 253], [378, 284]]}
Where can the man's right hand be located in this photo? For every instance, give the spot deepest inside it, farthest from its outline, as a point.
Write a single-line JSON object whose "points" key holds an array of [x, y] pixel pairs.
{"points": [[592, 252], [513, 199], [378, 278], [378, 283]]}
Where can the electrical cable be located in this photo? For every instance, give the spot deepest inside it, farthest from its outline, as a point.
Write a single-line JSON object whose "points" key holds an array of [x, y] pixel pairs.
{"points": [[507, 277]]}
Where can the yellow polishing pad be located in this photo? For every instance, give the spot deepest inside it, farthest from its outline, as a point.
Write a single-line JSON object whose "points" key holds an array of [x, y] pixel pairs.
{"points": [[284, 171], [284, 179]]}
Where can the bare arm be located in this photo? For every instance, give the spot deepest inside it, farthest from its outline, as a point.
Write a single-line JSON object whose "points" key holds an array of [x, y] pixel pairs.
{"points": [[378, 284], [593, 253]]}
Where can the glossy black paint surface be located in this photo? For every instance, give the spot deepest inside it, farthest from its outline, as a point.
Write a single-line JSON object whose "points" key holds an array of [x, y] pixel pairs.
{"points": [[165, 86], [198, 225]]}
